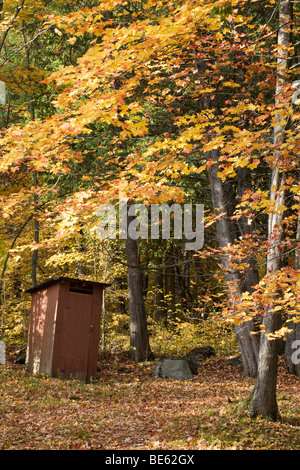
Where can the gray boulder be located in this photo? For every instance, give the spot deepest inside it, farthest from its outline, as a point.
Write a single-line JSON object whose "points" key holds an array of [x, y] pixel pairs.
{"points": [[176, 369]]}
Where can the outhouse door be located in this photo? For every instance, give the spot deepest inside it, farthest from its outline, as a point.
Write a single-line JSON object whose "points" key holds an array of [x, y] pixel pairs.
{"points": [[77, 331]]}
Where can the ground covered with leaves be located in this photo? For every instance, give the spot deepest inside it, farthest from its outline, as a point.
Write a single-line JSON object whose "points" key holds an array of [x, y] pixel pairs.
{"points": [[128, 409]]}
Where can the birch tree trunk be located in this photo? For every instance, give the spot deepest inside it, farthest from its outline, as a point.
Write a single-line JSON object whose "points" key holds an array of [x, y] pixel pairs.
{"points": [[264, 402]]}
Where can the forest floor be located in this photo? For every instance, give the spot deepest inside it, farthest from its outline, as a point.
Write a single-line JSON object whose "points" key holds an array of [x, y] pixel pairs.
{"points": [[126, 408]]}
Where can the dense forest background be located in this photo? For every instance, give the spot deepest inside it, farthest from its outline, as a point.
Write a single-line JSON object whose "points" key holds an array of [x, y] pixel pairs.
{"points": [[180, 290], [182, 101]]}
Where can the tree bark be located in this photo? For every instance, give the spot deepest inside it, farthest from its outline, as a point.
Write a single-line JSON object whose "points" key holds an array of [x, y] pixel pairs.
{"points": [[248, 344], [34, 259], [170, 290], [264, 402], [292, 344], [160, 311], [292, 364], [139, 340], [9, 251], [264, 395]]}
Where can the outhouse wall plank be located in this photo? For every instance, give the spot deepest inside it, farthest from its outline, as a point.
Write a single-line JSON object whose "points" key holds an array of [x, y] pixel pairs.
{"points": [[41, 330], [59, 328], [36, 328], [49, 330]]}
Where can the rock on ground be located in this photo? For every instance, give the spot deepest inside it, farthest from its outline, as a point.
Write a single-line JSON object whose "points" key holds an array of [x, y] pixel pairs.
{"points": [[176, 369]]}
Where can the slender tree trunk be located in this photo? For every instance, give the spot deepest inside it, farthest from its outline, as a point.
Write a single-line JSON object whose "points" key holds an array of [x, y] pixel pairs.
{"points": [[19, 8], [9, 251], [160, 313], [251, 275], [170, 284], [103, 314], [264, 395], [139, 339], [34, 259]]}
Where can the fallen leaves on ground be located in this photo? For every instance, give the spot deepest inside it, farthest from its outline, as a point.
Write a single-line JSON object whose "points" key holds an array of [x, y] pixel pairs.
{"points": [[126, 408]]}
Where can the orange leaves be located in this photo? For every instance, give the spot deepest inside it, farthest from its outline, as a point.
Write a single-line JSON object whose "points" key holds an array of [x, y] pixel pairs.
{"points": [[127, 409], [179, 71], [276, 292], [100, 88]]}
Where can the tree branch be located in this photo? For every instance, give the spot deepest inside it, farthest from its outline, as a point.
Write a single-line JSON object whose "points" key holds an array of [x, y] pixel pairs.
{"points": [[24, 45], [11, 247], [18, 9]]}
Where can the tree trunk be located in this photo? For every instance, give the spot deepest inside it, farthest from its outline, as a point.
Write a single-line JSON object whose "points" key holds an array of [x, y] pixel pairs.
{"points": [[264, 395], [160, 311], [251, 275], [291, 347], [34, 259], [248, 344], [293, 339], [264, 401], [9, 252], [139, 341], [170, 290]]}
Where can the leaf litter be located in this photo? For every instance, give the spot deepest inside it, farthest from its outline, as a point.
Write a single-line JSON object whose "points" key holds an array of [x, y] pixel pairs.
{"points": [[126, 408]]}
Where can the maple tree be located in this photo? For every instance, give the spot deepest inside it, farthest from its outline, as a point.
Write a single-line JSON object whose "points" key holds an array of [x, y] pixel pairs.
{"points": [[264, 401], [175, 90]]}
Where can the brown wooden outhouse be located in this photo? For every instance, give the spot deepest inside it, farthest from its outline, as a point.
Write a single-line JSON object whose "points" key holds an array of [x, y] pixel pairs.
{"points": [[64, 329]]}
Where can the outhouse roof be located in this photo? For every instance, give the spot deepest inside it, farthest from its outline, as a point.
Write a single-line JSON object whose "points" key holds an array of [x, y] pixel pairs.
{"points": [[52, 281]]}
